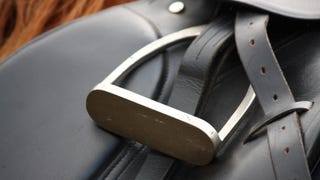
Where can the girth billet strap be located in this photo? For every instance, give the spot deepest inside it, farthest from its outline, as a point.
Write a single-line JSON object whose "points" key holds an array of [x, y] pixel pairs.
{"points": [[264, 72]]}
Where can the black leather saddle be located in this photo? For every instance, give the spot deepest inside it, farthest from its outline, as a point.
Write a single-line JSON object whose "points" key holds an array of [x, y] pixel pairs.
{"points": [[211, 90]]}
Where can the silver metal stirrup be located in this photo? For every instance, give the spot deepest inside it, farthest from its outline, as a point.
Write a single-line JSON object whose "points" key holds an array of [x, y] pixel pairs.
{"points": [[156, 125]]}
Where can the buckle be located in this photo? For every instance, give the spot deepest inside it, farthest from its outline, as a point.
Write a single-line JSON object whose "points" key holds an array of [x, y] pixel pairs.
{"points": [[156, 125]]}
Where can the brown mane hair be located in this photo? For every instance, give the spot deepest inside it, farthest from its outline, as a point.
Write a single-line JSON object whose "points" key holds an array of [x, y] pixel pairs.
{"points": [[22, 20]]}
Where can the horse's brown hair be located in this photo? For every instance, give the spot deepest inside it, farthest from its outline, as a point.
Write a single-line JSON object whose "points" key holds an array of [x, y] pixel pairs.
{"points": [[22, 20]]}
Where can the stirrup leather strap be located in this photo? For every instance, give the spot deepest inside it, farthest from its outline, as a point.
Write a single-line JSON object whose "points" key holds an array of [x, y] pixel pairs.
{"points": [[200, 58]]}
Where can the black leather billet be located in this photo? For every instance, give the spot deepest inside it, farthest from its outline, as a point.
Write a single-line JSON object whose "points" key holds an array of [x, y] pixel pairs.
{"points": [[265, 75], [296, 46]]}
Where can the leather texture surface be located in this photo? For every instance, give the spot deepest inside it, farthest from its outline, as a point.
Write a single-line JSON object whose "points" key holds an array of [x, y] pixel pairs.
{"points": [[198, 63], [45, 130], [236, 158], [273, 93]]}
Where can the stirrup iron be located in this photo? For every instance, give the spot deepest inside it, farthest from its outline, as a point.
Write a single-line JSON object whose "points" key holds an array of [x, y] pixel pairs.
{"points": [[156, 125]]}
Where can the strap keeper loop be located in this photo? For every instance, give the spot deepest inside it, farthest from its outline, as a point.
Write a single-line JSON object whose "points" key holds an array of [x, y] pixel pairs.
{"points": [[299, 107]]}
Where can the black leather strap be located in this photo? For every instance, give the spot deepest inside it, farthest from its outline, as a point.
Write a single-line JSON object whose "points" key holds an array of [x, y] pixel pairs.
{"points": [[189, 85], [298, 107], [271, 88], [197, 64], [156, 166]]}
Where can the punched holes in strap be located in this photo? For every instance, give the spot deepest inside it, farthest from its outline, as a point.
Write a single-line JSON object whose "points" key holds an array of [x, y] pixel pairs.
{"points": [[265, 75]]}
